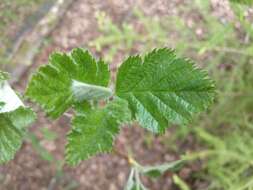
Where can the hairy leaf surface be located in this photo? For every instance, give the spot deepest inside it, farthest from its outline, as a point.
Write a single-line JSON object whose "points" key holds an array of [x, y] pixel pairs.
{"points": [[54, 86], [94, 131], [163, 89], [12, 130], [8, 98]]}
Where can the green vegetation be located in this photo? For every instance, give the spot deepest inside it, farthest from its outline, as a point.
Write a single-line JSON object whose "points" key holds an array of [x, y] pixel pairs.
{"points": [[224, 134], [144, 92], [13, 128], [227, 128], [122, 39], [13, 15], [247, 2], [134, 179], [226, 50]]}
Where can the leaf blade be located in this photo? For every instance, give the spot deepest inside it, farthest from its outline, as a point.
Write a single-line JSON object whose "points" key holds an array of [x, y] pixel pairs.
{"points": [[12, 131], [51, 86], [163, 89], [95, 131]]}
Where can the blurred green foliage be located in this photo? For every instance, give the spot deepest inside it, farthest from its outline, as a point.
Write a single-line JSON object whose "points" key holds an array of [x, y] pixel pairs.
{"points": [[226, 130], [123, 38], [225, 48], [12, 16], [247, 2]]}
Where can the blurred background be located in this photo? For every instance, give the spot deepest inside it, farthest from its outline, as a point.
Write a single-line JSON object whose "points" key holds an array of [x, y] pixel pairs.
{"points": [[216, 34]]}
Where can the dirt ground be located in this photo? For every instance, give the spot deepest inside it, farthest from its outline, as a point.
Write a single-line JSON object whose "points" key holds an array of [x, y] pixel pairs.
{"points": [[28, 171]]}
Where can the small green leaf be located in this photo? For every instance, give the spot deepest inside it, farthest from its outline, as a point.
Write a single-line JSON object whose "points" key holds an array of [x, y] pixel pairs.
{"points": [[68, 79], [156, 171], [12, 130], [3, 76], [163, 89], [94, 131]]}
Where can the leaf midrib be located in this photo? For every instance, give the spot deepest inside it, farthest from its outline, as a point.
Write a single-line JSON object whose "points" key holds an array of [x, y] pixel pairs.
{"points": [[167, 91]]}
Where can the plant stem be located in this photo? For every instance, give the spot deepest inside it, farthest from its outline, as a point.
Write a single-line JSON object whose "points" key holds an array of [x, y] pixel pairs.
{"points": [[68, 115], [130, 160], [121, 154]]}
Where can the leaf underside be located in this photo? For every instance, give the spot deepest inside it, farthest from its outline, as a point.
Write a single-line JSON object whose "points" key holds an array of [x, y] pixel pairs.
{"points": [[9, 100], [163, 89], [51, 86], [13, 126], [94, 131], [157, 171]]}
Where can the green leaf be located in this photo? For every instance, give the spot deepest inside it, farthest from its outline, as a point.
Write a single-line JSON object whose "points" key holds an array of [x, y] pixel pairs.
{"points": [[157, 171], [1, 105], [14, 119], [12, 130], [68, 79], [95, 131], [246, 2], [81, 108], [163, 89], [3, 76]]}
